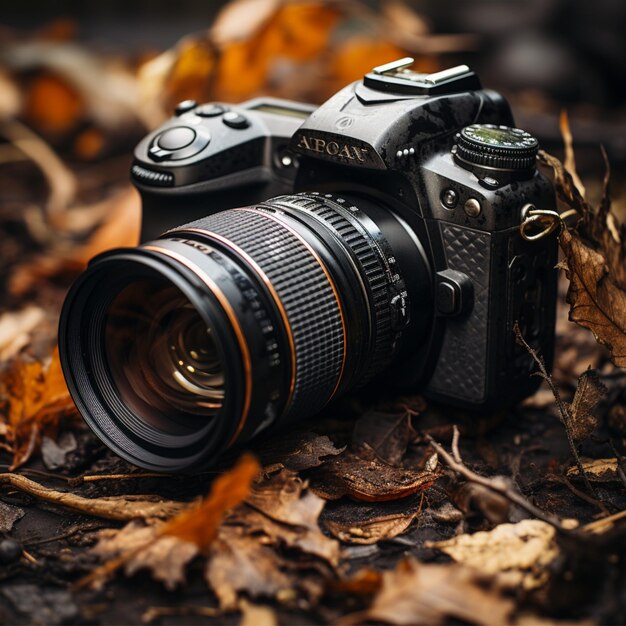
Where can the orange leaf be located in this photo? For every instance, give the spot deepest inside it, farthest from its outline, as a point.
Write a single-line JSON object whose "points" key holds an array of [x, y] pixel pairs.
{"points": [[36, 398], [199, 524]]}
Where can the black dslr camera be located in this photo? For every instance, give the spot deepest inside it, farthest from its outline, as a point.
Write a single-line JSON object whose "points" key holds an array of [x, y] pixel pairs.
{"points": [[394, 251]]}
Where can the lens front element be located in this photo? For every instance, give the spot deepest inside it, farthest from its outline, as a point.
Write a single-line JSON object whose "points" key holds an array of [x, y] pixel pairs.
{"points": [[161, 354]]}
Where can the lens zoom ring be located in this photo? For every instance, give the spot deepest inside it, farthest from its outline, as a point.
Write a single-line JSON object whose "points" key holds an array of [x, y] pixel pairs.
{"points": [[305, 293], [372, 270]]}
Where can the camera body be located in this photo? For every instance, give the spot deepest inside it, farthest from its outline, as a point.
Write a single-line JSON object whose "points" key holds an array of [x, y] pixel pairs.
{"points": [[439, 154]]}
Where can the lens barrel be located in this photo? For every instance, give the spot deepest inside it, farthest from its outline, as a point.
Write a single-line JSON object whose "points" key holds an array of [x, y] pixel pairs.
{"points": [[248, 318]]}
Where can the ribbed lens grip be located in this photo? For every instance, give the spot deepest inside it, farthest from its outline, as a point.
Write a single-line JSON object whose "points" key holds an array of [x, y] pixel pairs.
{"points": [[304, 290], [335, 217]]}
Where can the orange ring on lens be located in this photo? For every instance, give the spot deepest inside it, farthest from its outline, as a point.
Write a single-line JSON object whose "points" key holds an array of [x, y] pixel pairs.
{"points": [[230, 313], [266, 281], [328, 278]]}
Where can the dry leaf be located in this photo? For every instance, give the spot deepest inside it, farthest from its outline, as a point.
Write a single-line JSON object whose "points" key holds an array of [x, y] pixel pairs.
{"points": [[597, 470], [166, 548], [589, 391], [35, 399], [256, 615], [166, 557], [120, 227], [9, 514], [264, 545], [295, 450], [364, 524], [387, 434], [416, 593], [595, 259], [16, 328], [199, 524], [369, 480], [521, 552]]}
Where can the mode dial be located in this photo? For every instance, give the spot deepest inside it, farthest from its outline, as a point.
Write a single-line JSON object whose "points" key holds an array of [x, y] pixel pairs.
{"points": [[496, 147]]}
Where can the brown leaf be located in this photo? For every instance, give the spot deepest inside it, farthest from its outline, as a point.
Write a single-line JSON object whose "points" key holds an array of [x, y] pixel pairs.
{"points": [[387, 434], [9, 514], [597, 301], [35, 399], [364, 524], [166, 557], [119, 228], [597, 470], [369, 480], [589, 391], [416, 593], [16, 328], [296, 450], [256, 615], [166, 548], [265, 544]]}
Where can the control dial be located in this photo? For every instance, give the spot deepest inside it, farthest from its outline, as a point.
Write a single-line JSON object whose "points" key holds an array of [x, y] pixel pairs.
{"points": [[496, 147]]}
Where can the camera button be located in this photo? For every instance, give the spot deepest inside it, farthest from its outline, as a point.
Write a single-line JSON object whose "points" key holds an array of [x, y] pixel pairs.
{"points": [[235, 120], [185, 106], [210, 110], [176, 138]]}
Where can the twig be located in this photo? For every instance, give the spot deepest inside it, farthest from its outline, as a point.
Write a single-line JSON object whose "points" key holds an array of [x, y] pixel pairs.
{"points": [[566, 418], [494, 486], [79, 480], [29, 557], [67, 535], [601, 524], [562, 480], [118, 508]]}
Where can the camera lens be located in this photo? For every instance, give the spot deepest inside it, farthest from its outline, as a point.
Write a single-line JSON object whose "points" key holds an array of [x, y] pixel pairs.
{"points": [[161, 354], [247, 319]]}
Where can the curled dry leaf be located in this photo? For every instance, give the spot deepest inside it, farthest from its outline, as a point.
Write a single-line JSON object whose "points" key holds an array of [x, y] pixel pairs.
{"points": [[595, 258], [416, 593], [589, 391], [35, 398], [364, 524], [166, 548], [265, 545], [367, 479], [521, 554], [597, 470]]}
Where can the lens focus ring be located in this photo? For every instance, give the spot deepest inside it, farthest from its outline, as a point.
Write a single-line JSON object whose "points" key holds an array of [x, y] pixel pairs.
{"points": [[304, 290]]}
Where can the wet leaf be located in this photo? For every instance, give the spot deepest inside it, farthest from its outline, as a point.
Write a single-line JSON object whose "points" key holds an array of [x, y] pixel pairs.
{"points": [[35, 399], [415, 593], [589, 391], [369, 480], [521, 553], [364, 524]]}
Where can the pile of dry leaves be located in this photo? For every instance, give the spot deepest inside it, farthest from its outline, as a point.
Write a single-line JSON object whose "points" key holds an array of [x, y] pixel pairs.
{"points": [[383, 509]]}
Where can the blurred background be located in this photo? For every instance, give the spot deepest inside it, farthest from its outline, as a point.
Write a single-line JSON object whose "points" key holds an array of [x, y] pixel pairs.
{"points": [[82, 81]]}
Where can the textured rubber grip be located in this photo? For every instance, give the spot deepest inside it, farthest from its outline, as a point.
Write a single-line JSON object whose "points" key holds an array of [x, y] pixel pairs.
{"points": [[305, 292]]}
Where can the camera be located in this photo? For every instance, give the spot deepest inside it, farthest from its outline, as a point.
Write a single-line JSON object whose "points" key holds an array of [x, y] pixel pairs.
{"points": [[392, 253]]}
